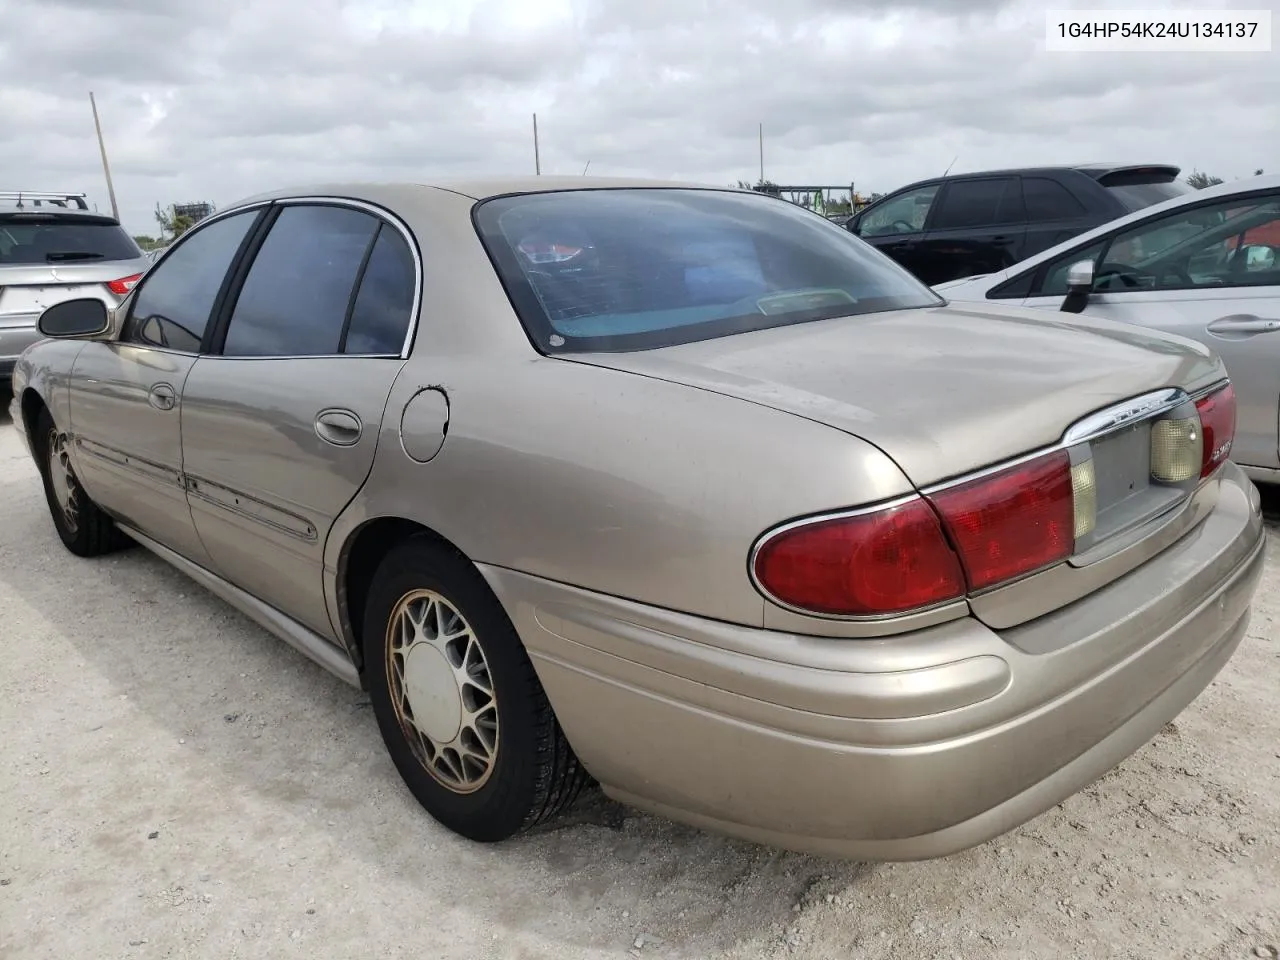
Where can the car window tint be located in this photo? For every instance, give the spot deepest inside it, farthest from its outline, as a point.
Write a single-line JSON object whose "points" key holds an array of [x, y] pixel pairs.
{"points": [[384, 302], [623, 269], [904, 214], [976, 203], [1054, 283], [34, 237], [1231, 243], [172, 306], [1013, 288], [295, 297], [1049, 200]]}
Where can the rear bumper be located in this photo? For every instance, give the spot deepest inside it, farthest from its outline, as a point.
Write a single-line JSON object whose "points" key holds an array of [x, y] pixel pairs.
{"points": [[905, 748]]}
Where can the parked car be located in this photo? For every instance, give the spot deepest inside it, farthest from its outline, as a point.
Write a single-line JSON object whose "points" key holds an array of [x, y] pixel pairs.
{"points": [[682, 489], [1202, 266], [53, 249], [952, 227]]}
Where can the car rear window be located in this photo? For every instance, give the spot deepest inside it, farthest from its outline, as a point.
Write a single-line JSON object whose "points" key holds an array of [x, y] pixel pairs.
{"points": [[1136, 189], [632, 269], [46, 238]]}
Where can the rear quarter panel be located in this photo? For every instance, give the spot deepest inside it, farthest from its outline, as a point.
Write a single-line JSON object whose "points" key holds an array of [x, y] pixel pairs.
{"points": [[613, 482]]}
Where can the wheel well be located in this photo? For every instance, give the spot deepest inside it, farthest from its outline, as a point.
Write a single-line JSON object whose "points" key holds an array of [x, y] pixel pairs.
{"points": [[32, 404], [361, 558]]}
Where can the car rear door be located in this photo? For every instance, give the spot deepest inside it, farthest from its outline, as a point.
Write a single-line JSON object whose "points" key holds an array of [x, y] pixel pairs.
{"points": [[977, 226], [126, 395], [1054, 214], [1204, 272], [280, 421]]}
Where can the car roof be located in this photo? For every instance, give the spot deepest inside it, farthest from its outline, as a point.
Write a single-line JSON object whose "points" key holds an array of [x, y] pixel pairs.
{"points": [[1228, 189], [476, 188], [1095, 169]]}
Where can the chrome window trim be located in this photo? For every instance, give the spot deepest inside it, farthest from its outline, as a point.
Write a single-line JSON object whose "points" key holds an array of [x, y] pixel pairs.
{"points": [[382, 214]]}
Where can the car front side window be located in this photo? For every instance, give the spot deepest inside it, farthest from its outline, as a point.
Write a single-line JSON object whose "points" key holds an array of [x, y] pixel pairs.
{"points": [[1223, 244], [172, 305], [904, 214]]}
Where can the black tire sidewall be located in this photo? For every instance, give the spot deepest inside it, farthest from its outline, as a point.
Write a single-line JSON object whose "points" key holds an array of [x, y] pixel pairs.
{"points": [[76, 540], [505, 803]]}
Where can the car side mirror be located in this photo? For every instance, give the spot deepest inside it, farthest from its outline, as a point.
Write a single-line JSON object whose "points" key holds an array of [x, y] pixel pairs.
{"points": [[854, 225], [1079, 285], [1258, 257], [72, 319]]}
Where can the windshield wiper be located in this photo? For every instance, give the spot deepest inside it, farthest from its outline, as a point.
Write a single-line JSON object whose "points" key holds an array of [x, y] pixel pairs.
{"points": [[59, 255]]}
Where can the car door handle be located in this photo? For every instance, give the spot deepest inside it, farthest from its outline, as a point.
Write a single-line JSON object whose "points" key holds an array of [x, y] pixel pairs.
{"points": [[342, 428], [1244, 324], [162, 397]]}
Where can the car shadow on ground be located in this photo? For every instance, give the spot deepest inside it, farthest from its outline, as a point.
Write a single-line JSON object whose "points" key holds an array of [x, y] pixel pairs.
{"points": [[251, 713]]}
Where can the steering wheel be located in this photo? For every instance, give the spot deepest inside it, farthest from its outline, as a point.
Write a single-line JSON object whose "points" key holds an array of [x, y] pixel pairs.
{"points": [[1127, 275], [901, 226]]}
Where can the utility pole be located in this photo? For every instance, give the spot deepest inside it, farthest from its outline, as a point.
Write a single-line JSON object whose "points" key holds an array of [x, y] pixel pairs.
{"points": [[537, 162], [102, 148], [762, 152]]}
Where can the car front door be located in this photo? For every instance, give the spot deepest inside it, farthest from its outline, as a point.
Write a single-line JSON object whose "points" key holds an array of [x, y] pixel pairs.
{"points": [[895, 224], [280, 422], [125, 395], [978, 226], [1206, 273]]}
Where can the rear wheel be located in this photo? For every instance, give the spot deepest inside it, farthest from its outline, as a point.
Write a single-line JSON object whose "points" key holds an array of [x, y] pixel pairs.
{"points": [[461, 710], [84, 529]]}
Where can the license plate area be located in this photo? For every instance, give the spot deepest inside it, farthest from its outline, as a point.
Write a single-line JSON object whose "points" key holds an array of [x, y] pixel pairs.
{"points": [[1128, 498]]}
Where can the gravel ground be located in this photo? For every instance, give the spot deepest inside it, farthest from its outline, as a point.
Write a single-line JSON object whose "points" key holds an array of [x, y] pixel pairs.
{"points": [[177, 783]]}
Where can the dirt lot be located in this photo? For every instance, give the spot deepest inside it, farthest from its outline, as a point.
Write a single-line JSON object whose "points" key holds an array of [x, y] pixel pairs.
{"points": [[176, 783]]}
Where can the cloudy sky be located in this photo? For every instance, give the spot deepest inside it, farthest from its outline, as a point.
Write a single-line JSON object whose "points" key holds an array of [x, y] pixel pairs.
{"points": [[217, 99]]}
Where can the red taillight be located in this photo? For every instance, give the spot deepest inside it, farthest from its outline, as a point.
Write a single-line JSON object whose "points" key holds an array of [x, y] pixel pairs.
{"points": [[1011, 522], [878, 562], [124, 284], [1218, 427]]}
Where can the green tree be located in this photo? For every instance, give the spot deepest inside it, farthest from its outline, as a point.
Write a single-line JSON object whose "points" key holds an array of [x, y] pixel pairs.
{"points": [[1201, 180], [172, 226]]}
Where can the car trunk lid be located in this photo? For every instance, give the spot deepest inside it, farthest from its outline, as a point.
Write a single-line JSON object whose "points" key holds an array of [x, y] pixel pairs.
{"points": [[949, 391], [27, 290], [943, 391]]}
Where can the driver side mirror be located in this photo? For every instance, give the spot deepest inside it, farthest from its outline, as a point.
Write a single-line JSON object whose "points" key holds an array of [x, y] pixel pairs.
{"points": [[75, 319], [1079, 285], [854, 226]]}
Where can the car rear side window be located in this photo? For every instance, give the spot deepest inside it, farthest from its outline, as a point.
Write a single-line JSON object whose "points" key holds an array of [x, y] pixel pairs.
{"points": [[27, 238], [384, 303], [297, 293], [172, 306], [1049, 200], [978, 203], [627, 269]]}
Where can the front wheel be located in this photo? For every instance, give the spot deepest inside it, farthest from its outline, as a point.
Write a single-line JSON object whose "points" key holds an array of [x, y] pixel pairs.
{"points": [[458, 703], [83, 528]]}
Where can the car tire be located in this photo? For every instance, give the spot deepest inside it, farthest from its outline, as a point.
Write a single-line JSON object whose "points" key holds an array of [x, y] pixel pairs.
{"points": [[83, 527], [482, 752]]}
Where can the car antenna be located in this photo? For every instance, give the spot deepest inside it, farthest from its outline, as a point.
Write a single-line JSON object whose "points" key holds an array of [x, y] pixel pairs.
{"points": [[951, 164]]}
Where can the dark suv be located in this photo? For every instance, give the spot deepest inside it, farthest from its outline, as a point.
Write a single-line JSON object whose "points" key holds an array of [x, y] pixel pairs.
{"points": [[961, 225]]}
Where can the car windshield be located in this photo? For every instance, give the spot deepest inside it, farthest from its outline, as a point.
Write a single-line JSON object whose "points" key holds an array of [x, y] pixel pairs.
{"points": [[46, 238], [634, 269]]}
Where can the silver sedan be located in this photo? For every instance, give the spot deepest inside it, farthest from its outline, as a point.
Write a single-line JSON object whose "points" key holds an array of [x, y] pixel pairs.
{"points": [[683, 490]]}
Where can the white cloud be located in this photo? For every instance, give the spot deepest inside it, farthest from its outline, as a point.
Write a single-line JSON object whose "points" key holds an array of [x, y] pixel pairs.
{"points": [[205, 101]]}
